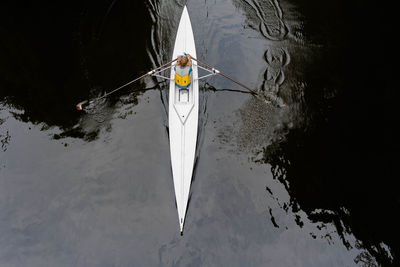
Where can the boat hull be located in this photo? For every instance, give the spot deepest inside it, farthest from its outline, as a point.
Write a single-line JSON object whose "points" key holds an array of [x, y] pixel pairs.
{"points": [[183, 120]]}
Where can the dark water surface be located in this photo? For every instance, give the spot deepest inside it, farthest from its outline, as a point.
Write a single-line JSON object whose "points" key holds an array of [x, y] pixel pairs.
{"points": [[304, 180]]}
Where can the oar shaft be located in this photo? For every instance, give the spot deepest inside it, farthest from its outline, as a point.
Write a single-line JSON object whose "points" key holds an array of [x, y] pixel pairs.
{"points": [[79, 106], [141, 77], [226, 76], [239, 83], [122, 86]]}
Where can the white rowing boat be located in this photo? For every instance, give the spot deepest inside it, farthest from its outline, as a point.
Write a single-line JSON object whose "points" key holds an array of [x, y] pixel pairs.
{"points": [[183, 120], [183, 112]]}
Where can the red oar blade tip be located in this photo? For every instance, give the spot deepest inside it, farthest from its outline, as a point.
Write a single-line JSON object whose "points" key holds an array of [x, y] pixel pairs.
{"points": [[79, 106]]}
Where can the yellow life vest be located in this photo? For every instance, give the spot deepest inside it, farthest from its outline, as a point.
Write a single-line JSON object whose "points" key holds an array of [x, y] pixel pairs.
{"points": [[184, 80]]}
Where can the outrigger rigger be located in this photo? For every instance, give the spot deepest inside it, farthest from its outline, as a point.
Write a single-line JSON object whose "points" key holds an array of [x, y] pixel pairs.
{"points": [[183, 111]]}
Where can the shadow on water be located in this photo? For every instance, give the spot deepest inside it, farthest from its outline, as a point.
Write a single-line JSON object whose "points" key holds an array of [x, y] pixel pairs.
{"points": [[331, 151], [55, 55]]}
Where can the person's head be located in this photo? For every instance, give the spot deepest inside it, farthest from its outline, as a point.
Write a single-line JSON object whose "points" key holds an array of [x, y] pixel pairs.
{"points": [[184, 61]]}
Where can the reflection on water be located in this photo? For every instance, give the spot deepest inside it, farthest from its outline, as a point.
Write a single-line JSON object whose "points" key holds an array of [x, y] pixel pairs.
{"points": [[288, 181], [319, 151], [267, 18], [57, 55]]}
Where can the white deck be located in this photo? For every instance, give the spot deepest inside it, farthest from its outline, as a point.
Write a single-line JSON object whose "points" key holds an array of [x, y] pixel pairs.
{"points": [[183, 120]]}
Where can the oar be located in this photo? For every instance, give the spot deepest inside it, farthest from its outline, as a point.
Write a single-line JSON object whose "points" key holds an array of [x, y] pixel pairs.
{"points": [[214, 70], [79, 105]]}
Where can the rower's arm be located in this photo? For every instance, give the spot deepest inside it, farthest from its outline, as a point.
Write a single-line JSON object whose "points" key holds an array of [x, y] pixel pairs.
{"points": [[190, 60], [178, 62]]}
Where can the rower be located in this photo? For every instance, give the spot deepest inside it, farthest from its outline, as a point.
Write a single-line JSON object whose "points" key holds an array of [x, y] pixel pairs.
{"points": [[183, 71]]}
